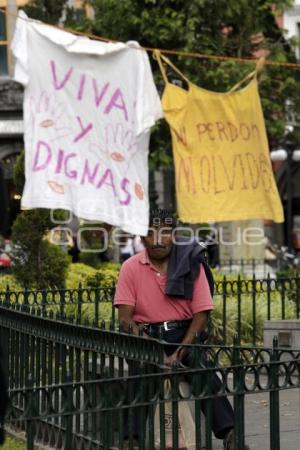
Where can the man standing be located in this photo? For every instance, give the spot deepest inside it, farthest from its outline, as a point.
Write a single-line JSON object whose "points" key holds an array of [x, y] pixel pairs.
{"points": [[142, 302]]}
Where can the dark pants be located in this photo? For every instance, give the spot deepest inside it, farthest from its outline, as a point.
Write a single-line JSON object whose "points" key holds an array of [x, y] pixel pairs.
{"points": [[222, 416]]}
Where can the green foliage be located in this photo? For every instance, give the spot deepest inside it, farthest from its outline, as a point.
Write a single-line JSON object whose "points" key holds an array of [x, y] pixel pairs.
{"points": [[247, 316], [49, 11], [289, 272], [19, 173], [9, 280], [105, 275], [90, 259], [219, 27], [13, 444], [36, 262], [92, 240]]}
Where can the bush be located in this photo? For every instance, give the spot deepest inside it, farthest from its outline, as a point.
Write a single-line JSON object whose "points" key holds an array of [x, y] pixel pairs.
{"points": [[247, 316], [36, 262], [9, 280], [88, 276]]}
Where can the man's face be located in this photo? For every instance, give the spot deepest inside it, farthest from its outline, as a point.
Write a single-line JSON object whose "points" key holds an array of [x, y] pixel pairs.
{"points": [[158, 241]]}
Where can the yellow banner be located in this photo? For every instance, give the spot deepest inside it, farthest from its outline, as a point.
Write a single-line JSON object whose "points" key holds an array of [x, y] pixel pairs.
{"points": [[221, 153]]}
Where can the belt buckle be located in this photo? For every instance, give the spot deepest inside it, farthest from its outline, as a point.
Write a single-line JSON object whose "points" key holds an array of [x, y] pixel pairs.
{"points": [[166, 326]]}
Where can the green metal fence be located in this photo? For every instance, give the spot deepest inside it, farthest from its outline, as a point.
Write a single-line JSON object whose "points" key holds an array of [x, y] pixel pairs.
{"points": [[71, 387], [242, 305]]}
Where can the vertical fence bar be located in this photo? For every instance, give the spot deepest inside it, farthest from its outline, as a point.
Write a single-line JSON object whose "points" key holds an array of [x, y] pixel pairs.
{"points": [[50, 361], [268, 297], [142, 410], [32, 354], [224, 319], [254, 310], [44, 302], [97, 300], [208, 412], [17, 360], [77, 395], [274, 398], [21, 359], [26, 357], [25, 297], [62, 302], [283, 301], [44, 370], [239, 397], [94, 395], [113, 310], [162, 411], [297, 299], [131, 409], [85, 395], [38, 362], [12, 351], [69, 417], [7, 295], [151, 412], [56, 378], [175, 422], [63, 375], [50, 365], [30, 429], [198, 430], [239, 305], [79, 308], [70, 367], [196, 389]]}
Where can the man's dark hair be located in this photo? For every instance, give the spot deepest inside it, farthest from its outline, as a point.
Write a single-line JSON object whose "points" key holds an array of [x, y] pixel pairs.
{"points": [[161, 217]]}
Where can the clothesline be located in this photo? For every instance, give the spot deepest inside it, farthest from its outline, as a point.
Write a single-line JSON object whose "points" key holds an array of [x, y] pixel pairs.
{"points": [[166, 51]]}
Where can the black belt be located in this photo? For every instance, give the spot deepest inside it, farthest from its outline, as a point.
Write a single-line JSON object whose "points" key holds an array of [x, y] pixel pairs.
{"points": [[166, 326]]}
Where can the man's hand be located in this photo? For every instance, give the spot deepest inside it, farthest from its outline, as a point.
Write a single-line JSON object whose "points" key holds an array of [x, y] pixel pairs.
{"points": [[176, 357], [197, 325]]}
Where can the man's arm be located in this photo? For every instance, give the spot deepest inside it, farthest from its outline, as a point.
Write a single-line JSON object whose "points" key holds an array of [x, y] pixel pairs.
{"points": [[125, 299], [197, 325], [125, 320]]}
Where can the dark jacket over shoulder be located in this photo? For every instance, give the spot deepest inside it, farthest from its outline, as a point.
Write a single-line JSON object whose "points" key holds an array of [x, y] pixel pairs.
{"points": [[186, 260]]}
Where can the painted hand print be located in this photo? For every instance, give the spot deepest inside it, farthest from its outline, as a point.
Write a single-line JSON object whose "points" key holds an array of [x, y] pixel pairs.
{"points": [[48, 115]]}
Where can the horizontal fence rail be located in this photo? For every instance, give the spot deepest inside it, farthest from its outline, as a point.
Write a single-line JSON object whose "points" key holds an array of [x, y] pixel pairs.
{"points": [[72, 386], [241, 305]]}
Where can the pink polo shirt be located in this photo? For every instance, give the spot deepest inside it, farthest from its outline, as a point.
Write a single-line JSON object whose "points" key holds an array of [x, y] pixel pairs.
{"points": [[142, 286]]}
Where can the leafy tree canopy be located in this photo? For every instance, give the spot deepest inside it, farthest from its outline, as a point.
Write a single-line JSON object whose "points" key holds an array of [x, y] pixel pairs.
{"points": [[47, 11], [218, 27]]}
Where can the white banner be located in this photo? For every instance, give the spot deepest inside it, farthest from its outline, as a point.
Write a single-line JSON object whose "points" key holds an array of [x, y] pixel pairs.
{"points": [[88, 109]]}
